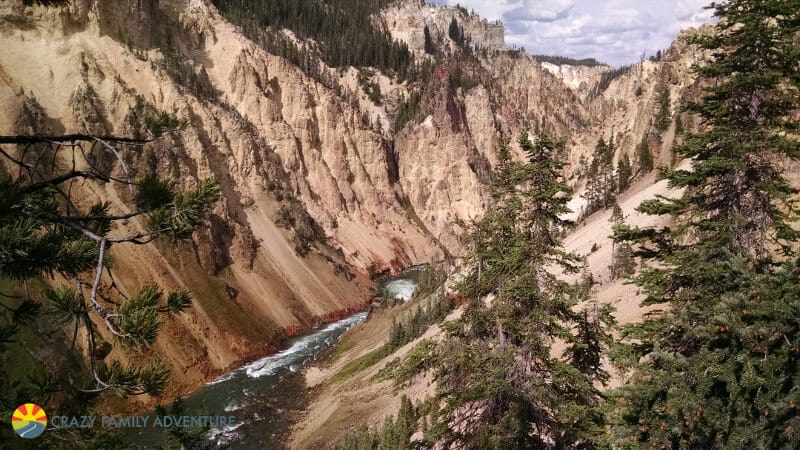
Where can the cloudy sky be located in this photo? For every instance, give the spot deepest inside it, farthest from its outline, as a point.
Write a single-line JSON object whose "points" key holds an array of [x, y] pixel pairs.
{"points": [[613, 31]]}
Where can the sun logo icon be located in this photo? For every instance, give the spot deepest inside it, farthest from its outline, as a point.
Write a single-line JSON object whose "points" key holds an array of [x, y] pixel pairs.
{"points": [[29, 421]]}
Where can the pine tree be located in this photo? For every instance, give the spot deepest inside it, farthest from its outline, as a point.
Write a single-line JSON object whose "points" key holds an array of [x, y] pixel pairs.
{"points": [[719, 368], [430, 48], [456, 33], [195, 438], [623, 262], [344, 32], [601, 185], [453, 31], [501, 387], [46, 2], [591, 340], [644, 157], [624, 173], [43, 233], [664, 114]]}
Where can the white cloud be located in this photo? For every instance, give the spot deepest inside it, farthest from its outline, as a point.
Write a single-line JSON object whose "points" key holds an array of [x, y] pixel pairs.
{"points": [[614, 31], [541, 10]]}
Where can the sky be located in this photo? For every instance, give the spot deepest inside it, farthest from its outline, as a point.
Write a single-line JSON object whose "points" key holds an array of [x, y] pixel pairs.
{"points": [[612, 31]]}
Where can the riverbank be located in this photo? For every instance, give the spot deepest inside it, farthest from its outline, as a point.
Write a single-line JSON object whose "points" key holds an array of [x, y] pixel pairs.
{"points": [[264, 395], [270, 394], [349, 389]]}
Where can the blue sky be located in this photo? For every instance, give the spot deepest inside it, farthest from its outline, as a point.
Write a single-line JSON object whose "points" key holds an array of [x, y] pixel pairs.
{"points": [[613, 31]]}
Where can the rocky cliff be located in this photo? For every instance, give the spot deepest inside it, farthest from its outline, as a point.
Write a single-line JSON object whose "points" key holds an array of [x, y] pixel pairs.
{"points": [[315, 200], [309, 192], [407, 20]]}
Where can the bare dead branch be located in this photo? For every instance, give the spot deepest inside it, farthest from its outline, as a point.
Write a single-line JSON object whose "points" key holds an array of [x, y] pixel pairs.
{"points": [[14, 160], [66, 177], [119, 158], [112, 218], [109, 177], [92, 349], [70, 138], [139, 238]]}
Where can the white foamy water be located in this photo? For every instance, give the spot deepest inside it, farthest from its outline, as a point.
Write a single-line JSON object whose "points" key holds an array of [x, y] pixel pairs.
{"points": [[400, 289], [296, 354], [253, 393], [221, 378], [233, 407], [225, 435], [268, 365]]}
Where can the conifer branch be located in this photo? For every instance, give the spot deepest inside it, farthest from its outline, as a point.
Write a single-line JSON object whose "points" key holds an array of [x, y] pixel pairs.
{"points": [[126, 216], [41, 230], [74, 336], [138, 238]]}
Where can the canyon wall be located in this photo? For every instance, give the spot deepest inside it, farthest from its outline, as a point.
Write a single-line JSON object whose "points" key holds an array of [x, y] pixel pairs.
{"points": [[315, 201], [283, 148]]}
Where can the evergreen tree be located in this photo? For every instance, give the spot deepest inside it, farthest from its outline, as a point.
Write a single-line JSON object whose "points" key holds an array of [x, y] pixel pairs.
{"points": [[44, 232], [430, 48], [374, 93], [663, 115], [194, 438], [592, 338], [456, 33], [501, 386], [623, 262], [46, 2], [345, 33], [601, 185], [624, 173], [719, 368], [644, 157]]}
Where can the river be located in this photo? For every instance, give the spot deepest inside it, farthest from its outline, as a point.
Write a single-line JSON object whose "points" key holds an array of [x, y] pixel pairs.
{"points": [[401, 287], [265, 395]]}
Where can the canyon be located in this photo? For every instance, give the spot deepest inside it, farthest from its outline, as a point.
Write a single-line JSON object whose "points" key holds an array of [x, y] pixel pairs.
{"points": [[315, 203]]}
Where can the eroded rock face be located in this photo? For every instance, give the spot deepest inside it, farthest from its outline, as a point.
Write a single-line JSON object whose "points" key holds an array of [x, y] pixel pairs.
{"points": [[447, 154], [272, 137], [406, 21], [580, 79], [339, 169], [313, 200]]}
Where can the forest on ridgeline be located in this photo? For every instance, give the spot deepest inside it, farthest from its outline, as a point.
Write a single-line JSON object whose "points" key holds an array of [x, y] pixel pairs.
{"points": [[343, 32]]}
